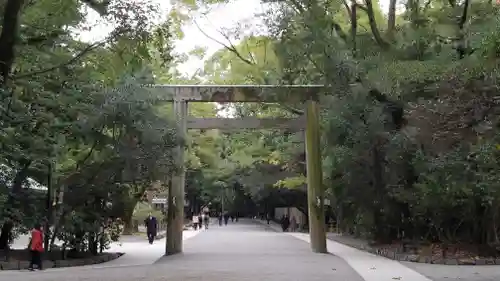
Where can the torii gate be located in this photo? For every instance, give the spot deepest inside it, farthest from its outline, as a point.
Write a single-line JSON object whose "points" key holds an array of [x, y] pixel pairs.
{"points": [[181, 95]]}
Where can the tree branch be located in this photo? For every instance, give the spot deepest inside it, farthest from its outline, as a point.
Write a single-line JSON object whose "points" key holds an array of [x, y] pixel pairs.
{"points": [[349, 12], [427, 5], [461, 48], [252, 59], [361, 7], [354, 27], [100, 7], [42, 38], [373, 25], [298, 6], [348, 9], [71, 61], [233, 49], [229, 47], [94, 146], [338, 29], [463, 18], [391, 19]]}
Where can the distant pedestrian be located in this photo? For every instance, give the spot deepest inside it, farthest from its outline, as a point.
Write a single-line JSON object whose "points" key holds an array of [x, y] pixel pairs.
{"points": [[226, 218], [195, 222], [220, 219], [151, 227], [206, 220], [285, 223], [293, 224], [268, 218], [36, 247]]}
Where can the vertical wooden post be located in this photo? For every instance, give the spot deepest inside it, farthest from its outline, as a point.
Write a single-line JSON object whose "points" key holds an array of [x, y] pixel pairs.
{"points": [[49, 205], [315, 192], [175, 211]]}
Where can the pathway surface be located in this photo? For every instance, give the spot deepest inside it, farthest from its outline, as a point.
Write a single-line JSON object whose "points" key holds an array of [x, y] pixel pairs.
{"points": [[137, 249], [438, 272], [247, 250], [22, 241], [386, 269], [370, 267]]}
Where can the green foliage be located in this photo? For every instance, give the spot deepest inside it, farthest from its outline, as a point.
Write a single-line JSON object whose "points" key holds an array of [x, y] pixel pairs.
{"points": [[292, 182], [76, 119], [142, 211], [431, 174]]}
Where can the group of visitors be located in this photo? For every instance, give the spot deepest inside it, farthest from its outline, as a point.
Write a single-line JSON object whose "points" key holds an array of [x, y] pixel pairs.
{"points": [[288, 224], [201, 219], [225, 217]]}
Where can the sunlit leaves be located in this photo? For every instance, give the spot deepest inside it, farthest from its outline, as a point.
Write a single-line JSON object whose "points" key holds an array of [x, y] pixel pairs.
{"points": [[292, 182]]}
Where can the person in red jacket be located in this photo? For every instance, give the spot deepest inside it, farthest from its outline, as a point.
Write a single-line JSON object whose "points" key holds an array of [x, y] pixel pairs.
{"points": [[36, 247]]}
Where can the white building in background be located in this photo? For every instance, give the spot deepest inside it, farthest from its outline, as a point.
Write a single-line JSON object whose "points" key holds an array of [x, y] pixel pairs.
{"points": [[7, 174], [300, 217], [160, 203]]}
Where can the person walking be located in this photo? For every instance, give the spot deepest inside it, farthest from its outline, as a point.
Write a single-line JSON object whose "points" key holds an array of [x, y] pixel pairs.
{"points": [[220, 219], [36, 247], [151, 227], [226, 218], [285, 223], [200, 221], [195, 222], [206, 220], [293, 224]]}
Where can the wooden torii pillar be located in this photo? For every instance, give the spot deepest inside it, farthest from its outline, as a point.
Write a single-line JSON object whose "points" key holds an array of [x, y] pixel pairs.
{"points": [[181, 95]]}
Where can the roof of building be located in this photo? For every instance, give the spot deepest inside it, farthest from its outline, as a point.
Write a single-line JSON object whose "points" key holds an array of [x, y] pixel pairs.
{"points": [[159, 201], [6, 175]]}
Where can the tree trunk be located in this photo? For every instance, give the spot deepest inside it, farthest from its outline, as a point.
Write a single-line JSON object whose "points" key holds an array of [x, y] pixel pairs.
{"points": [[373, 26], [6, 235], [340, 217], [59, 216], [129, 227], [50, 210], [391, 19], [93, 244], [379, 227], [354, 27], [11, 203], [8, 37]]}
